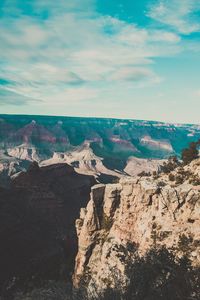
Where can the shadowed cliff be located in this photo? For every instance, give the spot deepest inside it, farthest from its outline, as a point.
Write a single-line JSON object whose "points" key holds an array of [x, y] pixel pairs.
{"points": [[37, 215]]}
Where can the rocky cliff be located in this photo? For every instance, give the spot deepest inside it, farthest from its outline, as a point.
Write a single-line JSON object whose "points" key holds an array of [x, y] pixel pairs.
{"points": [[138, 213], [37, 215]]}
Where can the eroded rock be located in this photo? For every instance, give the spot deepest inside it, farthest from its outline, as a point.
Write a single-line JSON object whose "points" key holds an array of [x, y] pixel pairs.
{"points": [[142, 212]]}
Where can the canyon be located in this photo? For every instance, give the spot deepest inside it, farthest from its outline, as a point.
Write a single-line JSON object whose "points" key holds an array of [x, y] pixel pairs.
{"points": [[104, 148], [81, 195]]}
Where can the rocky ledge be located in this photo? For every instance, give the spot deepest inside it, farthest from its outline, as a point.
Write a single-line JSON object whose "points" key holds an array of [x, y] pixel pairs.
{"points": [[138, 213]]}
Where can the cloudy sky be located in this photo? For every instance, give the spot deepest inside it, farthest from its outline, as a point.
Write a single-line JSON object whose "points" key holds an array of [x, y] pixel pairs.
{"points": [[137, 59]]}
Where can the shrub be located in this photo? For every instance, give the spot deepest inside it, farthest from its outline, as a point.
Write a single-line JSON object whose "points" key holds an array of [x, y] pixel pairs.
{"points": [[194, 179], [190, 153], [161, 184], [144, 174], [184, 243], [179, 179], [170, 165], [106, 222], [171, 177], [158, 275]]}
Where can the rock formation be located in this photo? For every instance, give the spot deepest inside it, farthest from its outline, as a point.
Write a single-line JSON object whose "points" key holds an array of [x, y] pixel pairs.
{"points": [[37, 216], [136, 165], [156, 144], [9, 167], [84, 161], [138, 213]]}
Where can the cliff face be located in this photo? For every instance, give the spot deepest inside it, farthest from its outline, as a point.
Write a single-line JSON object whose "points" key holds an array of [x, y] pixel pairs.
{"points": [[37, 215], [139, 212]]}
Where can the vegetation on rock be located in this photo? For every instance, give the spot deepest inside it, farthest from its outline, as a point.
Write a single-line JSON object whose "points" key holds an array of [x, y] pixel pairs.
{"points": [[158, 275], [190, 153]]}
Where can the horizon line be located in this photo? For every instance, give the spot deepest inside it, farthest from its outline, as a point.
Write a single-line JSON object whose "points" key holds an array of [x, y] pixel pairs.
{"points": [[93, 117]]}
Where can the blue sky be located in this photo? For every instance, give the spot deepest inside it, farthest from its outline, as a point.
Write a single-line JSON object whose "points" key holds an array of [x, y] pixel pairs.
{"points": [[136, 59]]}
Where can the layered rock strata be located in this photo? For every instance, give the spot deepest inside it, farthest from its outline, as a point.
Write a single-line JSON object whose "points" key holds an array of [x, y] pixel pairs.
{"points": [[137, 213]]}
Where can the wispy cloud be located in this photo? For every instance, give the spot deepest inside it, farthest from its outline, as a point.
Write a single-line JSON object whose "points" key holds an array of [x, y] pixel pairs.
{"points": [[8, 97], [76, 47], [135, 74], [179, 15], [66, 52]]}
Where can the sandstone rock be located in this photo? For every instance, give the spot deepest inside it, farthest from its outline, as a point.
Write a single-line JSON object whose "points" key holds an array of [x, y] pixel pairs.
{"points": [[137, 165], [140, 212]]}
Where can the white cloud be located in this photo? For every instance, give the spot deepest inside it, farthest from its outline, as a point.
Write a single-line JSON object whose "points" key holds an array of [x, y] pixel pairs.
{"points": [[74, 95], [45, 58], [134, 74], [178, 14], [8, 97], [164, 36]]}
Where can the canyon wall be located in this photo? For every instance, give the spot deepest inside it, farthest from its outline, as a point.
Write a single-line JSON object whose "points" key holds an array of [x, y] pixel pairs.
{"points": [[138, 213]]}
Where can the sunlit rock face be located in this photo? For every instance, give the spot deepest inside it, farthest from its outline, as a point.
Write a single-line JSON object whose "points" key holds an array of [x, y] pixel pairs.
{"points": [[136, 165], [156, 144], [84, 161], [142, 212], [24, 152]]}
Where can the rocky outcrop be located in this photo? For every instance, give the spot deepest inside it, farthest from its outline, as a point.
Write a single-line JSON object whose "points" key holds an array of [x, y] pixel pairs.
{"points": [[24, 152], [55, 190], [136, 165], [37, 216], [156, 144], [84, 161], [9, 167], [137, 213]]}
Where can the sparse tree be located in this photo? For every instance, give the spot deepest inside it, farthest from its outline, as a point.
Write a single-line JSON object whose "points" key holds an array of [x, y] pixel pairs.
{"points": [[190, 153]]}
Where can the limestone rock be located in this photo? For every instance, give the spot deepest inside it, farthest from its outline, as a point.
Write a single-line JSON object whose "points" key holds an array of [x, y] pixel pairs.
{"points": [[143, 212]]}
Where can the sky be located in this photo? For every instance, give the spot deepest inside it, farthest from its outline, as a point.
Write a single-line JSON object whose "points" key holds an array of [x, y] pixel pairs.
{"points": [[135, 59]]}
